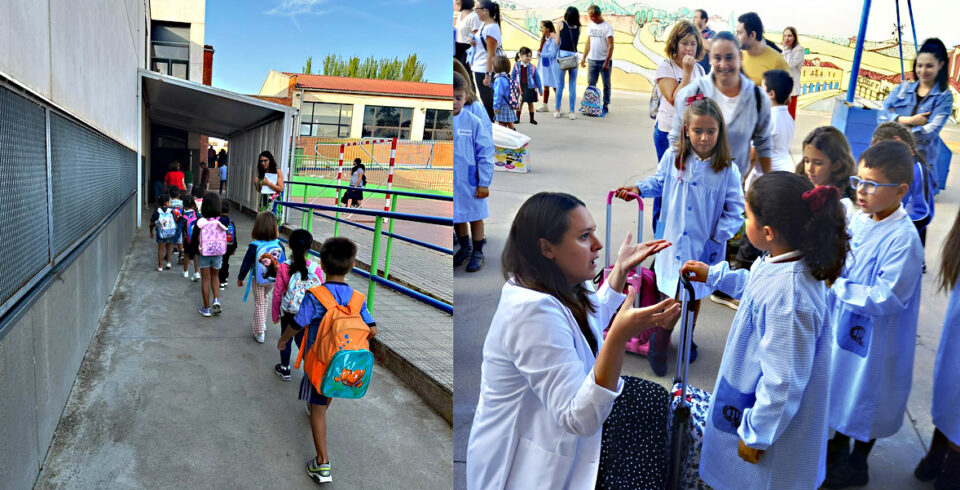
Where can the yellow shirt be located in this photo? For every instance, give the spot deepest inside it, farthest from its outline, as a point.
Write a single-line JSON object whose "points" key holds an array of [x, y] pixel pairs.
{"points": [[755, 66]]}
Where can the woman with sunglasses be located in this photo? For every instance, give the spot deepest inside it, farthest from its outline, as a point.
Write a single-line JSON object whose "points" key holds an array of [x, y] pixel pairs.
{"points": [[267, 165]]}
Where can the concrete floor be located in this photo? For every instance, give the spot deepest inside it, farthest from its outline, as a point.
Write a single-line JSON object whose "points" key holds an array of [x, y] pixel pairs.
{"points": [[589, 156], [168, 399]]}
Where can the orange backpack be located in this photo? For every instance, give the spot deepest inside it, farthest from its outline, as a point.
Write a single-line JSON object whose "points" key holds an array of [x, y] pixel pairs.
{"points": [[339, 363]]}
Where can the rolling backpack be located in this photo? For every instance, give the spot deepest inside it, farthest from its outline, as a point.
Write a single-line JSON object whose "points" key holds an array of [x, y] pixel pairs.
{"points": [[592, 103], [298, 286], [339, 363], [166, 224], [213, 237]]}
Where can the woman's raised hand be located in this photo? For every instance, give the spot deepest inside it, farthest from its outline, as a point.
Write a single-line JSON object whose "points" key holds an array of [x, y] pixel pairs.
{"points": [[623, 192], [631, 254], [630, 322]]}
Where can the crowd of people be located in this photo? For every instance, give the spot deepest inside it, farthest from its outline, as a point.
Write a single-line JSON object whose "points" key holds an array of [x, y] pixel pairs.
{"points": [[826, 278]]}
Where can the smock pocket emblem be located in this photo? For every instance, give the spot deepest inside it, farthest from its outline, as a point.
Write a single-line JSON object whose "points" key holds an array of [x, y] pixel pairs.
{"points": [[854, 332], [729, 404]]}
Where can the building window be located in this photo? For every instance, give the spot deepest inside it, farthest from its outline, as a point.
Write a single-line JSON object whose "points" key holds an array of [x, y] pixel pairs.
{"points": [[170, 49], [325, 120], [438, 125], [387, 122]]}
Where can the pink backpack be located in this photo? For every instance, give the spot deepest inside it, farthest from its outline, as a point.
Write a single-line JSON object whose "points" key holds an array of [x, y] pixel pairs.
{"points": [[213, 237]]}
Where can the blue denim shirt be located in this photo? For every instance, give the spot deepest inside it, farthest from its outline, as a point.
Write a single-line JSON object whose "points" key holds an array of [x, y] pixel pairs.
{"points": [[938, 103], [533, 76]]}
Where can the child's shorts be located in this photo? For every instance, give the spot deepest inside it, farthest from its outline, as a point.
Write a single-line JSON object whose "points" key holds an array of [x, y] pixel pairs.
{"points": [[214, 261], [170, 240], [309, 393]]}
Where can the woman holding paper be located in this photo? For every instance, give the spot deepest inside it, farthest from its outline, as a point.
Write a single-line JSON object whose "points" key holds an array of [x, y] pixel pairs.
{"points": [[269, 180]]}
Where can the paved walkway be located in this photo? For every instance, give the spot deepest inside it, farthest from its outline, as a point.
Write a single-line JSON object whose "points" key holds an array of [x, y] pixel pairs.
{"points": [[168, 399]]}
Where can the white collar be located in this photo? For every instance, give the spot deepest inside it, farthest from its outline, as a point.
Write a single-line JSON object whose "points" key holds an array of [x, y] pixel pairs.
{"points": [[779, 108], [898, 214], [785, 256]]}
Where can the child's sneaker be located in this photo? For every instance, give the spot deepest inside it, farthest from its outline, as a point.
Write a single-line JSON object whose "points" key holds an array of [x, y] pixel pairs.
{"points": [[159, 269], [216, 308], [186, 274], [205, 311], [196, 276], [319, 472], [168, 265], [260, 337], [223, 286], [283, 372]]}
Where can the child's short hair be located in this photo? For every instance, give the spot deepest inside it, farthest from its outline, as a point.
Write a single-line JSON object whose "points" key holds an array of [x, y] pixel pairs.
{"points": [[188, 202], [459, 83], [522, 51], [163, 199], [500, 64], [781, 83], [211, 205], [892, 158], [337, 255], [174, 192], [265, 226], [224, 207], [721, 152]]}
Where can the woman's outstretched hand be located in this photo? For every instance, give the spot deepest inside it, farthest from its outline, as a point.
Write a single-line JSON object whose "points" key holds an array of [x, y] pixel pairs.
{"points": [[630, 322], [695, 270], [631, 254]]}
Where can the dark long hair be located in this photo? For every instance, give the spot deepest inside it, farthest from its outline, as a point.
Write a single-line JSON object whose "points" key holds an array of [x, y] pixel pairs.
{"points": [[300, 242], [950, 262], [549, 25], [935, 47], [721, 152], [493, 8], [272, 168], [831, 141], [546, 215], [572, 17], [777, 200]]}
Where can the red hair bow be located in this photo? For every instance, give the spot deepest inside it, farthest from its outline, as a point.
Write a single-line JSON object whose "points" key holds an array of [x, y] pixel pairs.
{"points": [[694, 98], [819, 195]]}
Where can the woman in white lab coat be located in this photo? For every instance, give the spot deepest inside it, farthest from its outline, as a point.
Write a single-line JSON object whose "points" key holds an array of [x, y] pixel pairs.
{"points": [[548, 380]]}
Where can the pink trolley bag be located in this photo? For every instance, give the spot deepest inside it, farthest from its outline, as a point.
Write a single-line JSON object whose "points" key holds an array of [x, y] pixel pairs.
{"points": [[645, 282]]}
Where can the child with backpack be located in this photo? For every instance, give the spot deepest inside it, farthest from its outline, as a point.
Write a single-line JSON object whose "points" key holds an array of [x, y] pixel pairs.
{"points": [[165, 222], [208, 245], [526, 76], [767, 422], [326, 313], [503, 102], [224, 273], [294, 277], [261, 262], [187, 219], [177, 204]]}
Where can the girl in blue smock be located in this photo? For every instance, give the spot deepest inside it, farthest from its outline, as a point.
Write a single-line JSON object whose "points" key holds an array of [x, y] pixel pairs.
{"points": [[472, 174], [767, 423], [502, 112], [702, 207], [549, 69], [923, 106], [943, 460]]}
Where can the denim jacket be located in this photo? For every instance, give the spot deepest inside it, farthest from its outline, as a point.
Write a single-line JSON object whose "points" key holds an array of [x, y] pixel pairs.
{"points": [[938, 103], [533, 76], [501, 92]]}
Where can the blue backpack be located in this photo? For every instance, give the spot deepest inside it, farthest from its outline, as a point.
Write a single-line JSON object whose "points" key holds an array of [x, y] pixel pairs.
{"points": [[592, 103], [166, 223], [268, 258]]}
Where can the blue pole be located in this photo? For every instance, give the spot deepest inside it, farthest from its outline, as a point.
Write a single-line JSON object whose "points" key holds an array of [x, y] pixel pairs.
{"points": [[855, 69], [900, 43], [913, 27]]}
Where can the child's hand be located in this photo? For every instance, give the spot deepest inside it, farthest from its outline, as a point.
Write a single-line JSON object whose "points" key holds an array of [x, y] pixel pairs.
{"points": [[151, 234], [622, 192], [281, 343], [482, 192], [749, 454], [240, 283], [699, 270]]}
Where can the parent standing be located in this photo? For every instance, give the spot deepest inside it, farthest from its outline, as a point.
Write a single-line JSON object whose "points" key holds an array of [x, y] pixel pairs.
{"points": [[486, 44], [793, 55], [548, 379], [549, 71], [467, 24], [267, 165], [700, 19], [924, 105], [569, 36], [684, 49], [599, 53], [174, 178], [758, 56]]}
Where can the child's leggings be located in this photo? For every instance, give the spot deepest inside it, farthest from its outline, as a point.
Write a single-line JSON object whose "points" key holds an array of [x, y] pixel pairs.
{"points": [[261, 305]]}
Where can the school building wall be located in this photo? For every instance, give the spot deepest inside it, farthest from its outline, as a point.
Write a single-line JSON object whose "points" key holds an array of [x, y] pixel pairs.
{"points": [[359, 102]]}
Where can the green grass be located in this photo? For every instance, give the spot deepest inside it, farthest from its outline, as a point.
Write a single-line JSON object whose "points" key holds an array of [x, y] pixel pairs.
{"points": [[296, 192]]}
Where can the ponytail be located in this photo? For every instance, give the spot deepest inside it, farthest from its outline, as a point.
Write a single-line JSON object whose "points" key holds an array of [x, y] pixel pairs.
{"points": [[808, 219], [300, 242]]}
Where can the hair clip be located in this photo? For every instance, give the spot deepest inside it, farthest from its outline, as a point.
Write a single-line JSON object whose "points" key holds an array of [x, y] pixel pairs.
{"points": [[694, 98]]}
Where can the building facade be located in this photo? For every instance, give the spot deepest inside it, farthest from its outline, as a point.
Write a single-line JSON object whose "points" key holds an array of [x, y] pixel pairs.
{"points": [[817, 76]]}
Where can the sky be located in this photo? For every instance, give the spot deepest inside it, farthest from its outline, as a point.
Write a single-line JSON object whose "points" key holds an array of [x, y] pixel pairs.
{"points": [[252, 37]]}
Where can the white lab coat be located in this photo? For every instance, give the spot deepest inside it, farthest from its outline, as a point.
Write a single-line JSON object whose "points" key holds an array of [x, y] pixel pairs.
{"points": [[946, 371], [875, 306], [539, 419]]}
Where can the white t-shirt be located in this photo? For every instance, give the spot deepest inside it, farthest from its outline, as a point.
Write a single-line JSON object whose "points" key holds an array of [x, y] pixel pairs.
{"points": [[598, 40], [781, 135], [727, 105], [666, 111], [466, 26], [479, 64]]}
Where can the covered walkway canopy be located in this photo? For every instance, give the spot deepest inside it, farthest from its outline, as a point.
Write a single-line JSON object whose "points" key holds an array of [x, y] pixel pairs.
{"points": [[249, 124]]}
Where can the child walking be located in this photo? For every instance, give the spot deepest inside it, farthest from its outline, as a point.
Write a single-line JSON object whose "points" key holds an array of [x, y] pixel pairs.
{"points": [[702, 207], [209, 245], [503, 113], [876, 303], [767, 423], [261, 262], [294, 276], [164, 220], [187, 219], [525, 74], [224, 273], [336, 259], [827, 160], [472, 175], [942, 461]]}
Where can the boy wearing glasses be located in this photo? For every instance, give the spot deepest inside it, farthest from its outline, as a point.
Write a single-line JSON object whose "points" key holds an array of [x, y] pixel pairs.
{"points": [[876, 303]]}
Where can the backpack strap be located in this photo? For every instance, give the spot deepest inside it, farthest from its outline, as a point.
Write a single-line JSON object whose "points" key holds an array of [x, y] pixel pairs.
{"points": [[756, 96], [325, 297], [356, 301]]}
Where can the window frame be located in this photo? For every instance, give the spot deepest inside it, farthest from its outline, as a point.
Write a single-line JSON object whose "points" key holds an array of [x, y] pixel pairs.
{"points": [[343, 125], [433, 130], [378, 131]]}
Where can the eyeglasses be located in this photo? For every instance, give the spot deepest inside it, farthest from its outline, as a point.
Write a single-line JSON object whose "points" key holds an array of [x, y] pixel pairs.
{"points": [[868, 186], [264, 160]]}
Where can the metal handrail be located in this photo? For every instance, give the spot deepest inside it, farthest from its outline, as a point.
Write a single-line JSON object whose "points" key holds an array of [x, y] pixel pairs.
{"points": [[375, 191], [419, 218], [388, 234]]}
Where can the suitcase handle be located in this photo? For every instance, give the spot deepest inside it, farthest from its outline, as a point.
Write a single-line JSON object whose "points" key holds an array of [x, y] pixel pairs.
{"points": [[606, 244], [686, 332]]}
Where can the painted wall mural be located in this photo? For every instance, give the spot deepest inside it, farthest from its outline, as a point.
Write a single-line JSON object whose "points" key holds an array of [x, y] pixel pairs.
{"points": [[640, 33]]}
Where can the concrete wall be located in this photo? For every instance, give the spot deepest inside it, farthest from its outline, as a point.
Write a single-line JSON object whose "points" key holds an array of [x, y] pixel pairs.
{"points": [[80, 55], [191, 12], [41, 351], [276, 85], [359, 102]]}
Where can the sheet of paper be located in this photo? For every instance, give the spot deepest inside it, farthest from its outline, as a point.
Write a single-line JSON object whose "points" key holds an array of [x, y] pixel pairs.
{"points": [[272, 178]]}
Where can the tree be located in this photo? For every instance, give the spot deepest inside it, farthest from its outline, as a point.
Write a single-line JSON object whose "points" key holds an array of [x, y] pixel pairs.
{"points": [[410, 69], [307, 69]]}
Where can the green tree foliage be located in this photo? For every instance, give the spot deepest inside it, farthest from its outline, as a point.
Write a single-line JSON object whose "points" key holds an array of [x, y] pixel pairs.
{"points": [[307, 69], [410, 69]]}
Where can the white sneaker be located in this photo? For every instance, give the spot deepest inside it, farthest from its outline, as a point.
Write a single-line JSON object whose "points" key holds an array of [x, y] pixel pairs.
{"points": [[168, 265], [542, 108], [159, 269], [216, 309], [186, 274], [572, 116], [260, 337], [196, 276], [556, 114]]}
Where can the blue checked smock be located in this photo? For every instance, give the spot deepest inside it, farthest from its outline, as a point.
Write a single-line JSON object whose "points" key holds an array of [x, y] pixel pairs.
{"points": [[772, 388], [876, 302], [472, 166], [946, 372], [700, 213], [902, 101]]}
